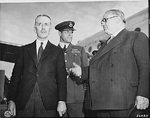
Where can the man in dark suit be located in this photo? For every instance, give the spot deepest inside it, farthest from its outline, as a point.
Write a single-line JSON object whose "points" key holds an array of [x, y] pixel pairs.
{"points": [[119, 72], [38, 82], [73, 55]]}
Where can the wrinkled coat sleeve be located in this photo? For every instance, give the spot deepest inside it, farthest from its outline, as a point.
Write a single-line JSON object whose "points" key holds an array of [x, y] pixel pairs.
{"points": [[141, 53]]}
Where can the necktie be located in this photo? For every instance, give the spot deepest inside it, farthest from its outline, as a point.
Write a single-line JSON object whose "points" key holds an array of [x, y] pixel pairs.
{"points": [[64, 48], [40, 51]]}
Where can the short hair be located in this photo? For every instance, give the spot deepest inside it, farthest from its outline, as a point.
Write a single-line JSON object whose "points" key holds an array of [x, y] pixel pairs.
{"points": [[42, 15], [118, 13]]}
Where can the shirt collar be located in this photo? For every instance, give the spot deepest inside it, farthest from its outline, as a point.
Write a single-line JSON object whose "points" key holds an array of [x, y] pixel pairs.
{"points": [[38, 43], [63, 44], [117, 32], [113, 35]]}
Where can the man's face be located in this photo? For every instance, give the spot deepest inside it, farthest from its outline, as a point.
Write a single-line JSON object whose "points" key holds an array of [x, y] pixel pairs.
{"points": [[42, 27], [66, 36], [109, 23]]}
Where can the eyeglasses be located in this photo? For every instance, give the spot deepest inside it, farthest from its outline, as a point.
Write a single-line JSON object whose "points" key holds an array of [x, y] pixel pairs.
{"points": [[106, 19]]}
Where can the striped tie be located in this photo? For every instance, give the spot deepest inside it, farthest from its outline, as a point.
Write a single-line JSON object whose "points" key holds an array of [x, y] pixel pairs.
{"points": [[40, 51]]}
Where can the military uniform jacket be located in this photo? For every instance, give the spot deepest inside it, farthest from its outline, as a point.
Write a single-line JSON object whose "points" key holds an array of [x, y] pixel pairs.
{"points": [[77, 54], [119, 72]]}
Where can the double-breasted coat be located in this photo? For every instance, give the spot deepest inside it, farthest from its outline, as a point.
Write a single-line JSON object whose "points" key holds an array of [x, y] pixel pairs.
{"points": [[119, 72], [49, 73]]}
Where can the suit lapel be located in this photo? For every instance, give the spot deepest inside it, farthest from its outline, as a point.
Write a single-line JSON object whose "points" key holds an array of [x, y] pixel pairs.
{"points": [[32, 51], [99, 51], [113, 43], [48, 50]]}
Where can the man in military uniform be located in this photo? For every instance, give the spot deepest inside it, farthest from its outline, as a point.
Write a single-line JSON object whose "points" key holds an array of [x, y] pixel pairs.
{"points": [[73, 55]]}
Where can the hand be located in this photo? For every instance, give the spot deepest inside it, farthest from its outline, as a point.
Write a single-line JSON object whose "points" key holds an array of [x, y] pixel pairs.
{"points": [[141, 102], [12, 108], [76, 69], [61, 108]]}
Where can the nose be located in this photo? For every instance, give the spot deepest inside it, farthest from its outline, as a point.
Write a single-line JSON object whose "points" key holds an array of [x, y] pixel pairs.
{"points": [[70, 33], [43, 27]]}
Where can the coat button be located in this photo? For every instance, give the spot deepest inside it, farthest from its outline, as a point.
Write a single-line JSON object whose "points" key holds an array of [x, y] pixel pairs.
{"points": [[114, 52], [37, 74], [111, 65], [65, 60], [93, 81]]}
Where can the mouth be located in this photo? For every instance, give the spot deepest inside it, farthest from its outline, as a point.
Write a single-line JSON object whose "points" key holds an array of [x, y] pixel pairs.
{"points": [[43, 31]]}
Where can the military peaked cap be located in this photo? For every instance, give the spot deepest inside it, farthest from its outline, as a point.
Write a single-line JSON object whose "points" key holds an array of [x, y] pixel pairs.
{"points": [[65, 25]]}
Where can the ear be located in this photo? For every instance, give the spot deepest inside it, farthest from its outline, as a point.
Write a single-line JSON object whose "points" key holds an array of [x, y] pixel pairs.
{"points": [[34, 29], [50, 30], [59, 33], [119, 20]]}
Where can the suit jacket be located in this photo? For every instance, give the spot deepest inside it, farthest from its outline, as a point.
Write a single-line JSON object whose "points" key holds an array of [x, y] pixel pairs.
{"points": [[77, 54], [119, 72], [50, 73]]}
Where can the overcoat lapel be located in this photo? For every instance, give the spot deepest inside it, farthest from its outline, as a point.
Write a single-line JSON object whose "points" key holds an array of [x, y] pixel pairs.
{"points": [[113, 43], [103, 45], [59, 46], [32, 51]]}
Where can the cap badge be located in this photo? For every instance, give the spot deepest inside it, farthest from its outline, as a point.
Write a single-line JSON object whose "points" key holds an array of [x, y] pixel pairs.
{"points": [[70, 25]]}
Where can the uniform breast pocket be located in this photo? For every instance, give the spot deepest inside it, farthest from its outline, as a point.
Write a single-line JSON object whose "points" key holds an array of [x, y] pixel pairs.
{"points": [[76, 58]]}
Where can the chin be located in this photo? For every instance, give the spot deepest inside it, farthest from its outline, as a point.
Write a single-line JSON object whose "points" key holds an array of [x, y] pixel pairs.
{"points": [[106, 31], [43, 37]]}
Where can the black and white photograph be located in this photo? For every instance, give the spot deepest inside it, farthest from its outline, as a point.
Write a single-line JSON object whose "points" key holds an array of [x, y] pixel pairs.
{"points": [[74, 58]]}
